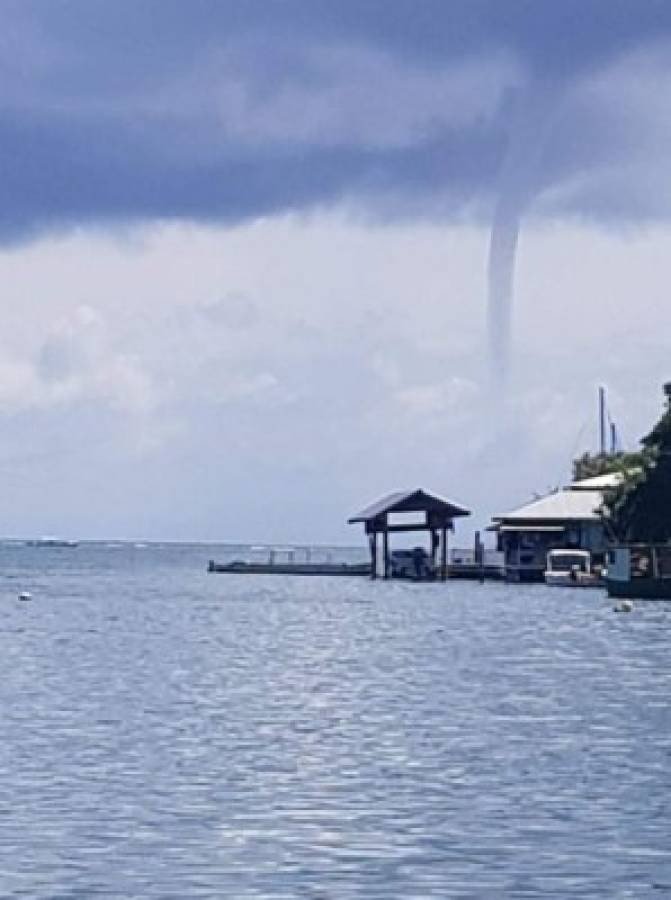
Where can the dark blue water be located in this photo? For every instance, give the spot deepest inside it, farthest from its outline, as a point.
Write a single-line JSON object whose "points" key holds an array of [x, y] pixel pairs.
{"points": [[169, 733]]}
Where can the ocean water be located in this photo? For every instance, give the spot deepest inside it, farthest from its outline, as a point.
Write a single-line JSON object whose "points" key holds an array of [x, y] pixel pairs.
{"points": [[169, 733]]}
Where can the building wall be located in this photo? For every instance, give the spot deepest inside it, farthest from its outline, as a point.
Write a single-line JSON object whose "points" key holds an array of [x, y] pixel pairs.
{"points": [[526, 551], [594, 537]]}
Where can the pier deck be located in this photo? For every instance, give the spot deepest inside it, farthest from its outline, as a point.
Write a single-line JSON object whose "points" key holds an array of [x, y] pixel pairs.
{"points": [[240, 567]]}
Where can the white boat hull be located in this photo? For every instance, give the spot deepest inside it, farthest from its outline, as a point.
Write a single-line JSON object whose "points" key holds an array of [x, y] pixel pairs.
{"points": [[573, 579]]}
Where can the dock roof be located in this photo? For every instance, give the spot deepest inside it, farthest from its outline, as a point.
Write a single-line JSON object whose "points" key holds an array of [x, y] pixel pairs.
{"points": [[417, 500]]}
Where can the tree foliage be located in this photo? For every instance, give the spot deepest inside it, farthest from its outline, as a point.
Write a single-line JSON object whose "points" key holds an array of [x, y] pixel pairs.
{"points": [[591, 465], [639, 510]]}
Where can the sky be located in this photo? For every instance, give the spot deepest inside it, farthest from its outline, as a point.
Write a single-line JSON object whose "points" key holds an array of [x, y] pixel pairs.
{"points": [[245, 256]]}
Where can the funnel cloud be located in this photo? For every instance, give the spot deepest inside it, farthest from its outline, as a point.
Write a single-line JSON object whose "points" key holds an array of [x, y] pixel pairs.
{"points": [[531, 116], [501, 278]]}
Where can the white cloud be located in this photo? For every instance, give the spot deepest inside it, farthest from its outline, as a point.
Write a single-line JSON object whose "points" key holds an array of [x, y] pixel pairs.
{"points": [[76, 363], [453, 395], [312, 360], [17, 384]]}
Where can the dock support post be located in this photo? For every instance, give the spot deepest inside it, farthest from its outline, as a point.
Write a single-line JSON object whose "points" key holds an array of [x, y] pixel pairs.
{"points": [[373, 554], [443, 555], [479, 557], [385, 552], [434, 548]]}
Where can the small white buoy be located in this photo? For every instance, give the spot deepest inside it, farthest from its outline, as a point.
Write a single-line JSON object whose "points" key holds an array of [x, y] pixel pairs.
{"points": [[623, 606], [25, 595]]}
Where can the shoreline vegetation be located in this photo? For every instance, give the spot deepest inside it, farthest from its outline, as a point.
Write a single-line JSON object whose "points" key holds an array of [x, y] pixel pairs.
{"points": [[636, 510]]}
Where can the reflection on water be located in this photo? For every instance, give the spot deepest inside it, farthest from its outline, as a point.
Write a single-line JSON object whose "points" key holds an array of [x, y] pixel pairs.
{"points": [[168, 733]]}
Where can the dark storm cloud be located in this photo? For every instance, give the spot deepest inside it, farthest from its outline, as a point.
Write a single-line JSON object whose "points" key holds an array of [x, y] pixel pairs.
{"points": [[217, 110]]}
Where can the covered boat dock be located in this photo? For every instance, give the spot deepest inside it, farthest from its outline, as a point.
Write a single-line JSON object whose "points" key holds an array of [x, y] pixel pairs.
{"points": [[430, 513]]}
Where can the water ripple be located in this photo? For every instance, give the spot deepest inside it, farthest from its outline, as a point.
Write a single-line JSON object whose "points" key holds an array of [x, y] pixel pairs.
{"points": [[166, 733]]}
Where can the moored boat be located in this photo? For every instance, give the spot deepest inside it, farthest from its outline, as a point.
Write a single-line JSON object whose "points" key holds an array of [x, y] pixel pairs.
{"points": [[571, 568], [51, 542]]}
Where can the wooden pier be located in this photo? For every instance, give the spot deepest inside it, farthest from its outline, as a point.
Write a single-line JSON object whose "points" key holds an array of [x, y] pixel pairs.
{"points": [[240, 567]]}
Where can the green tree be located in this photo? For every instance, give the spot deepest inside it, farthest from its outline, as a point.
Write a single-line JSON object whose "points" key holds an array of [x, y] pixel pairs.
{"points": [[639, 510], [590, 465]]}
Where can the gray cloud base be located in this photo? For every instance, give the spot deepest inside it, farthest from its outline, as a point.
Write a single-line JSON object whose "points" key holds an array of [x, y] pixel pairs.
{"points": [[224, 111]]}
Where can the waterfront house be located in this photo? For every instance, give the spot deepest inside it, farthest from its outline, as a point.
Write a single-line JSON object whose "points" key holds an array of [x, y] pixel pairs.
{"points": [[568, 518]]}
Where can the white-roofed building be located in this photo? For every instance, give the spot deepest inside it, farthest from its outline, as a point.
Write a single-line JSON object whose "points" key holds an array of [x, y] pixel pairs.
{"points": [[565, 519], [599, 482]]}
